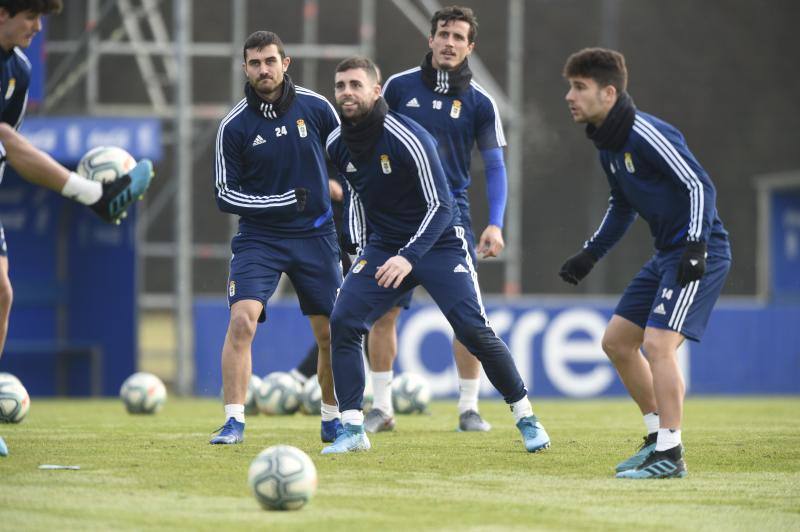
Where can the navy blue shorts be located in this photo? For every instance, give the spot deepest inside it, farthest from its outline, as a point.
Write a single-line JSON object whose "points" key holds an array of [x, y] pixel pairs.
{"points": [[3, 247], [446, 271], [469, 238], [311, 263], [655, 299]]}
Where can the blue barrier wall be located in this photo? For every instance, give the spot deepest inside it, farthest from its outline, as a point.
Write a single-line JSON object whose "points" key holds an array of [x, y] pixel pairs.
{"points": [[748, 347], [74, 292]]}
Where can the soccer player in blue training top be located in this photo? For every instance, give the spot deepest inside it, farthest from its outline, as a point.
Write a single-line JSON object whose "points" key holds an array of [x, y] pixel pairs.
{"points": [[20, 21], [270, 170], [653, 174], [441, 96], [399, 190]]}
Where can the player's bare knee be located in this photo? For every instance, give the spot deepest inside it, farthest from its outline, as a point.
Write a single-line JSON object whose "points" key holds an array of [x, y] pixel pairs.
{"points": [[386, 324], [656, 351], [242, 327], [618, 349]]}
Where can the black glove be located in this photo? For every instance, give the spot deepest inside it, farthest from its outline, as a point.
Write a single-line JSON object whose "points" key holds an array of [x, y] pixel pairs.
{"points": [[302, 195], [116, 198], [577, 267], [692, 265]]}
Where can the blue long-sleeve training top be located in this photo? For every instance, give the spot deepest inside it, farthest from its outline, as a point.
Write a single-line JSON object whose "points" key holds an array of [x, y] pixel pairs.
{"points": [[655, 176], [260, 162], [15, 78], [457, 122], [400, 192]]}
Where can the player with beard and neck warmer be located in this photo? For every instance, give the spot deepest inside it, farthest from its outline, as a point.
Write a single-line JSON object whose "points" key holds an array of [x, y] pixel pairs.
{"points": [[442, 97], [398, 191], [271, 172]]}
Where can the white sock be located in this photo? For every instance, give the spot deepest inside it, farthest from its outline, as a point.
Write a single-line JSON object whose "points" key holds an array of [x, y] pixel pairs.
{"points": [[234, 411], [299, 377], [382, 391], [521, 409], [82, 190], [330, 412], [468, 394], [667, 439], [352, 417], [651, 422]]}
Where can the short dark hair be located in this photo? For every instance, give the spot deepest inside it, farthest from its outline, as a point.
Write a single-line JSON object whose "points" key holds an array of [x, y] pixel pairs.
{"points": [[606, 67], [364, 64], [40, 7], [260, 39], [451, 13]]}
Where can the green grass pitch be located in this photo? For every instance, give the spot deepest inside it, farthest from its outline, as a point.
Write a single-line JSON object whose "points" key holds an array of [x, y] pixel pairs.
{"points": [[159, 472]]}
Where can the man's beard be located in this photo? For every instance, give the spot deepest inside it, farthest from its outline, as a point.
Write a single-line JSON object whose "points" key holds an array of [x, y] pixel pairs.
{"points": [[361, 111]]}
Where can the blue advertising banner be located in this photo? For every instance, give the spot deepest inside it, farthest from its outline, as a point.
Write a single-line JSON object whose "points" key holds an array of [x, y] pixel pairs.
{"points": [[67, 138], [73, 326], [748, 348], [785, 245]]}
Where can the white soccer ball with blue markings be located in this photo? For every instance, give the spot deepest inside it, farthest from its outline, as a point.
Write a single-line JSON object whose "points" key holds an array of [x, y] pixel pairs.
{"points": [[14, 401], [282, 477], [143, 393], [311, 397], [8, 377], [250, 406], [279, 394], [411, 394], [105, 164]]}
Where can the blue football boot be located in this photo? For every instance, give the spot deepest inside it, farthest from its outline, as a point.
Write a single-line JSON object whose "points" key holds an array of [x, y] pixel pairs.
{"points": [[3, 448], [231, 432], [533, 434], [119, 194], [659, 464], [647, 447], [331, 430], [351, 439]]}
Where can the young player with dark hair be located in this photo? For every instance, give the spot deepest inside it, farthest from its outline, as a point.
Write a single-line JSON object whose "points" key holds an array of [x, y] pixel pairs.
{"points": [[399, 190], [20, 21], [652, 174], [271, 171], [441, 96]]}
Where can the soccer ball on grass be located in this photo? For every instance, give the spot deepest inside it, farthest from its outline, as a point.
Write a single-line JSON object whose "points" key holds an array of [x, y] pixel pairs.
{"points": [[282, 477], [143, 393], [14, 401], [279, 394], [410, 394]]}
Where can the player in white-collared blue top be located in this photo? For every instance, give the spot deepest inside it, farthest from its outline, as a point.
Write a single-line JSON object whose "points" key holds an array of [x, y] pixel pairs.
{"points": [[442, 97], [271, 172], [652, 174], [399, 190]]}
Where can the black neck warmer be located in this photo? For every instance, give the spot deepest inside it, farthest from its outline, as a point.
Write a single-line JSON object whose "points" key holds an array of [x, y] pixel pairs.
{"points": [[449, 82], [274, 109], [362, 137], [613, 132]]}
